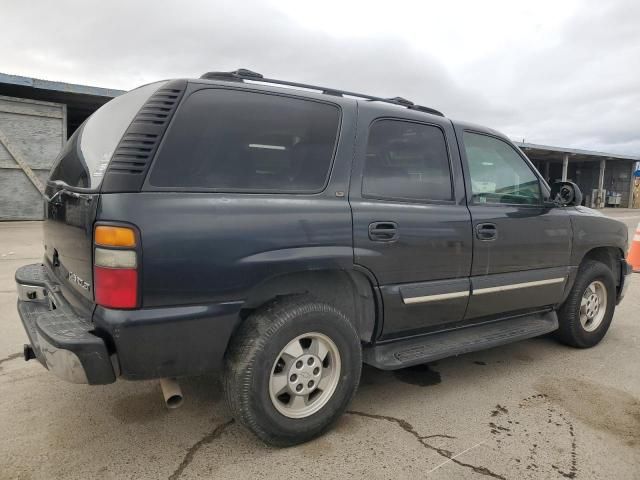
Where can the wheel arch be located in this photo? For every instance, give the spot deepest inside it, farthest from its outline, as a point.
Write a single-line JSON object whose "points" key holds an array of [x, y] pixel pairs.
{"points": [[610, 256], [351, 291]]}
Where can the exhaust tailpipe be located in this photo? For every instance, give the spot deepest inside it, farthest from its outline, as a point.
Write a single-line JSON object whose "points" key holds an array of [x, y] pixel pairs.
{"points": [[171, 392]]}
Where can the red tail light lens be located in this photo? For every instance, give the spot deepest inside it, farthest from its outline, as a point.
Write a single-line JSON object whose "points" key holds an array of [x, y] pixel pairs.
{"points": [[116, 287], [115, 266]]}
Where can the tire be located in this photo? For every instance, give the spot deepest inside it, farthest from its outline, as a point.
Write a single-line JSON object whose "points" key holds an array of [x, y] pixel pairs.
{"points": [[575, 332], [255, 358]]}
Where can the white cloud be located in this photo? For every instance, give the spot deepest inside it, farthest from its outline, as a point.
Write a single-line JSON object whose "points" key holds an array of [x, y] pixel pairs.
{"points": [[562, 73]]}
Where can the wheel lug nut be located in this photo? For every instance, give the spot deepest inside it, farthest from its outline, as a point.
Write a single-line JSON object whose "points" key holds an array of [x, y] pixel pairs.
{"points": [[293, 377], [310, 384], [310, 361], [316, 371], [299, 364], [298, 387]]}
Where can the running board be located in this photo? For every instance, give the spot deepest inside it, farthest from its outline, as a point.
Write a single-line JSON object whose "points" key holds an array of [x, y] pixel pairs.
{"points": [[435, 346]]}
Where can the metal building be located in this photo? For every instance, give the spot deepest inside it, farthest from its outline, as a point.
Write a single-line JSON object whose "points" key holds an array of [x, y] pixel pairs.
{"points": [[37, 116], [606, 179], [31, 134]]}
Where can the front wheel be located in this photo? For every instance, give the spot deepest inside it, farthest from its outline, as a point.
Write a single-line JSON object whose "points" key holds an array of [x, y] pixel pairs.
{"points": [[586, 315], [292, 369]]}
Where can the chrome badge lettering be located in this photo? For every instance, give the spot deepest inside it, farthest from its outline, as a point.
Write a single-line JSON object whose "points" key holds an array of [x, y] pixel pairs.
{"points": [[73, 278]]}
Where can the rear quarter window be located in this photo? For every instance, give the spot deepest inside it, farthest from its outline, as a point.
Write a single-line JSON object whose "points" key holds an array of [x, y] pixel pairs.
{"points": [[86, 156], [235, 140]]}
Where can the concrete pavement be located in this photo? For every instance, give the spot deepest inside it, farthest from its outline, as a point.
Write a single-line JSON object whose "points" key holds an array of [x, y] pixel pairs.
{"points": [[534, 409]]}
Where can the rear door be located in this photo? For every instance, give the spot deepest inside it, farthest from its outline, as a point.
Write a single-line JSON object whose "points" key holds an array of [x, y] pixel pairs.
{"points": [[410, 223], [521, 247]]}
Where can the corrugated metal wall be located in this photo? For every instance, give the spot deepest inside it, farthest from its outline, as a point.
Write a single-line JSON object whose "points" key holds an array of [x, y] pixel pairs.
{"points": [[617, 178], [32, 132]]}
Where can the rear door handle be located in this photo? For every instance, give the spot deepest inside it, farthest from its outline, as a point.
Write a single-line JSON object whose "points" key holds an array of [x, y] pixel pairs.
{"points": [[486, 231], [383, 231]]}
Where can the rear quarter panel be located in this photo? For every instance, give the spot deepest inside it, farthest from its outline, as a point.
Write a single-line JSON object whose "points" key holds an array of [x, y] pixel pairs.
{"points": [[207, 247]]}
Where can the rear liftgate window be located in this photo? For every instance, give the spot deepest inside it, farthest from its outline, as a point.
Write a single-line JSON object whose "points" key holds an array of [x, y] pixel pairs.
{"points": [[230, 140]]}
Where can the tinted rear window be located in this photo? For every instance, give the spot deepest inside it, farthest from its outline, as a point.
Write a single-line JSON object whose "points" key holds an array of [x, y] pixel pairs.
{"points": [[233, 140], [407, 161]]}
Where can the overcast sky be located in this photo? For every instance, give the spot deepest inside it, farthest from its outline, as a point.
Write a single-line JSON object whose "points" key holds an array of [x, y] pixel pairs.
{"points": [[559, 72]]}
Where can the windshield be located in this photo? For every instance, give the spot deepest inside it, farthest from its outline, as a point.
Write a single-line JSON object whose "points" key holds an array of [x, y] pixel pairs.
{"points": [[84, 160]]}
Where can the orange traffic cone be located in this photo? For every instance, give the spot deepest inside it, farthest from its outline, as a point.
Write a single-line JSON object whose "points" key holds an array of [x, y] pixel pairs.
{"points": [[634, 252]]}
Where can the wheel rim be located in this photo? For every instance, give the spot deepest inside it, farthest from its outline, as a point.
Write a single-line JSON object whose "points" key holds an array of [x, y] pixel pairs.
{"points": [[593, 305], [305, 375]]}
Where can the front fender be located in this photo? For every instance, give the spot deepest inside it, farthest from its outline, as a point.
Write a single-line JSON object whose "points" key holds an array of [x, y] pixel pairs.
{"points": [[591, 230]]}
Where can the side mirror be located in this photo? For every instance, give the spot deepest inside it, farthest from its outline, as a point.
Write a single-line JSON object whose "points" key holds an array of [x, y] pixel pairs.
{"points": [[566, 194]]}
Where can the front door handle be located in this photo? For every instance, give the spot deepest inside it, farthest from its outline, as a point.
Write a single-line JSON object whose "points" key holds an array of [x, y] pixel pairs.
{"points": [[383, 231], [486, 231]]}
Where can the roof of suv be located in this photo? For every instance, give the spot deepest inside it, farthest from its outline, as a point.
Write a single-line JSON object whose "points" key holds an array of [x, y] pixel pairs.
{"points": [[244, 76], [250, 79]]}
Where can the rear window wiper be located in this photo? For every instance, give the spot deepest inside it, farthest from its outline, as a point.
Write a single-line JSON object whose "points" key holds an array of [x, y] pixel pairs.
{"points": [[66, 189]]}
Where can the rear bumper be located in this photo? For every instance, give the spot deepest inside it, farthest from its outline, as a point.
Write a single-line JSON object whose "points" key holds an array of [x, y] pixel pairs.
{"points": [[135, 344], [168, 341], [62, 341]]}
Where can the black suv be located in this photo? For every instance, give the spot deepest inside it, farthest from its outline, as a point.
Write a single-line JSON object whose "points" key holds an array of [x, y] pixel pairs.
{"points": [[282, 234]]}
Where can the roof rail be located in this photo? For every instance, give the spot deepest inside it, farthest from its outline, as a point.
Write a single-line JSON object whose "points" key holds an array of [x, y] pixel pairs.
{"points": [[243, 74]]}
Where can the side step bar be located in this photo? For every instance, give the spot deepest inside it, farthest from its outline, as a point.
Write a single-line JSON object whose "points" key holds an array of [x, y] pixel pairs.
{"points": [[435, 346]]}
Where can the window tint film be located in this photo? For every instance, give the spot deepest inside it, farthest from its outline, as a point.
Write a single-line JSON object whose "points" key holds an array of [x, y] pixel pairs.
{"points": [[242, 141], [498, 174], [406, 161]]}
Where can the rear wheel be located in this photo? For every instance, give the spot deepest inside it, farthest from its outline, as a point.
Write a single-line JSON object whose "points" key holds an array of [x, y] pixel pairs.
{"points": [[292, 369], [305, 375], [586, 315]]}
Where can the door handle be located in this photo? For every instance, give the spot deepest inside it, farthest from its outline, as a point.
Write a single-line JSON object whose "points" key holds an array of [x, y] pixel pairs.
{"points": [[486, 231], [383, 231]]}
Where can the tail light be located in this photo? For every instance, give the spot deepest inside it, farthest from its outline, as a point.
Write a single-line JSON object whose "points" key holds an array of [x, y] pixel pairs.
{"points": [[115, 267]]}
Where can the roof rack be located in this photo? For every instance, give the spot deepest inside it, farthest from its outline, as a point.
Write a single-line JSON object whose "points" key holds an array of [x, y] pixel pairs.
{"points": [[243, 74]]}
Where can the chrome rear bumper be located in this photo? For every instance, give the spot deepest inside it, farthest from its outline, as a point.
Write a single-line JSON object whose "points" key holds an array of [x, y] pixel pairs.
{"points": [[61, 340]]}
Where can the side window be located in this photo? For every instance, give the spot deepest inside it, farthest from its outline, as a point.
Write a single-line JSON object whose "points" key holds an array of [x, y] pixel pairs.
{"points": [[235, 140], [498, 174], [406, 161]]}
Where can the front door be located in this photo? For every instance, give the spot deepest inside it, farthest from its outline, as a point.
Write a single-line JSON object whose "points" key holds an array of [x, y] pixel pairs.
{"points": [[521, 247], [410, 221]]}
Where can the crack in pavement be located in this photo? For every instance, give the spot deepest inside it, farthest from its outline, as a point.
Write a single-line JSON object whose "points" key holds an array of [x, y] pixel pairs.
{"points": [[13, 356], [208, 438], [439, 435], [407, 427]]}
